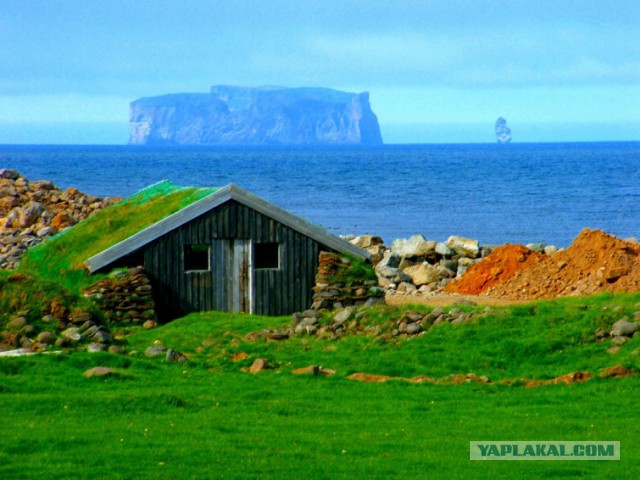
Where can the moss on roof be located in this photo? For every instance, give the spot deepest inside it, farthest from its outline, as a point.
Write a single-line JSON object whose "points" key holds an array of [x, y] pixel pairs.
{"points": [[62, 257]]}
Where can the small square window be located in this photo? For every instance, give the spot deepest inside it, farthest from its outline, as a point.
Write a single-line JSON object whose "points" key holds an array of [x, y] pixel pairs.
{"points": [[266, 255], [196, 257]]}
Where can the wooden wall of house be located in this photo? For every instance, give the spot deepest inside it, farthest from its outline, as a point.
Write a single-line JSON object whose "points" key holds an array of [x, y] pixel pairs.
{"points": [[276, 292]]}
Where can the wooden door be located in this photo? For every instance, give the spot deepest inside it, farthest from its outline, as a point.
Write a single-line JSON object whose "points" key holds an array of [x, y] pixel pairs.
{"points": [[238, 276]]}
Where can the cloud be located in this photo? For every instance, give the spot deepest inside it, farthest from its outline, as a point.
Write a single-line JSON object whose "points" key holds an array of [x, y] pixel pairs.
{"points": [[564, 54]]}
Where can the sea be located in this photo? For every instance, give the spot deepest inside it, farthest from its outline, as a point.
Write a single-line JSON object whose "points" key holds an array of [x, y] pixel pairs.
{"points": [[516, 193]]}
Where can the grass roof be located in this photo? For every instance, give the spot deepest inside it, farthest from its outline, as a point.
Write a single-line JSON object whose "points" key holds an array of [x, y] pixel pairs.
{"points": [[62, 257]]}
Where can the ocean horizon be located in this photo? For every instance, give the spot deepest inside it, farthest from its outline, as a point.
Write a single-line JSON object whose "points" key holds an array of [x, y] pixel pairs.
{"points": [[516, 193]]}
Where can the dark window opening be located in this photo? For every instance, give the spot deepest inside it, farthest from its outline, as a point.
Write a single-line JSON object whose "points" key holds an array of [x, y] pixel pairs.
{"points": [[266, 255], [196, 257]]}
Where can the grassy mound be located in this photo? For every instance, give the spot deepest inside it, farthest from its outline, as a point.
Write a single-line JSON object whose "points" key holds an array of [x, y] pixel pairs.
{"points": [[209, 419], [61, 258]]}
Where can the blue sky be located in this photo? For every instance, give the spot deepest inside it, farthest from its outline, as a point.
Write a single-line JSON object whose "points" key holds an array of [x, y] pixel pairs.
{"points": [[437, 71]]}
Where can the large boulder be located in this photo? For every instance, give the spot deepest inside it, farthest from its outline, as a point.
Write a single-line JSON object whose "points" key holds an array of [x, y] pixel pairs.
{"points": [[464, 246], [366, 241], [389, 260], [423, 274], [415, 246]]}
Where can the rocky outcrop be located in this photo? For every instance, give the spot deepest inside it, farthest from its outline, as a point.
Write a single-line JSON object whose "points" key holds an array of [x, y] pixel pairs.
{"points": [[33, 211], [503, 133], [267, 115]]}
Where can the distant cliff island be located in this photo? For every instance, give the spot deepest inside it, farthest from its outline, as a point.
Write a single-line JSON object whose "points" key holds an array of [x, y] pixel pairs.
{"points": [[231, 115]]}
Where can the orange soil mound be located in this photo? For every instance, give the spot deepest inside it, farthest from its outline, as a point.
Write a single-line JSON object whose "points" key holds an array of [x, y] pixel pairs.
{"points": [[595, 262], [499, 266]]}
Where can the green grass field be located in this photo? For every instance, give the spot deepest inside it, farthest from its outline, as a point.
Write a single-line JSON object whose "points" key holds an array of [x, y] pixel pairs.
{"points": [[210, 419]]}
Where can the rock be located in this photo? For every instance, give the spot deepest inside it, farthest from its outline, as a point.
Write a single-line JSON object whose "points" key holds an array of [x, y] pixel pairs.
{"points": [[415, 246], [175, 356], [617, 371], [99, 372], [149, 324], [314, 370], [80, 316], [619, 340], [464, 246], [366, 241], [423, 274], [445, 272], [308, 321], [377, 252], [413, 328], [8, 202], [485, 250], [95, 347], [451, 265], [155, 351], [279, 334], [16, 323], [101, 336], [46, 338], [258, 365], [265, 115], [371, 301], [9, 174], [310, 370], [29, 214], [63, 220], [116, 349], [394, 274], [388, 260], [625, 328], [406, 287], [550, 249], [443, 250], [71, 335], [503, 133], [45, 232], [413, 316], [536, 247], [344, 315]]}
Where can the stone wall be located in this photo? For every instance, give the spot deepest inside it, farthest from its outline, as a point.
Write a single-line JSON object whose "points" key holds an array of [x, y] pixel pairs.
{"points": [[125, 298], [335, 290]]}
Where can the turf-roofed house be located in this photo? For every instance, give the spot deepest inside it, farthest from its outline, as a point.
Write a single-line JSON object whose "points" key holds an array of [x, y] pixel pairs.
{"points": [[227, 250]]}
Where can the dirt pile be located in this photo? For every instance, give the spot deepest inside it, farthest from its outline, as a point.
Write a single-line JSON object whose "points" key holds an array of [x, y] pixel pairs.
{"points": [[595, 262], [500, 265]]}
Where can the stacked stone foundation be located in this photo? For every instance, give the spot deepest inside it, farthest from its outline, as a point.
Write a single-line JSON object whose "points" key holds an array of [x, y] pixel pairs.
{"points": [[127, 298], [333, 290]]}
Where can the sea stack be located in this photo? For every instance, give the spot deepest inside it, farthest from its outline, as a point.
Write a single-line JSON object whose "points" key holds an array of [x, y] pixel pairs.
{"points": [[231, 115], [503, 133]]}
